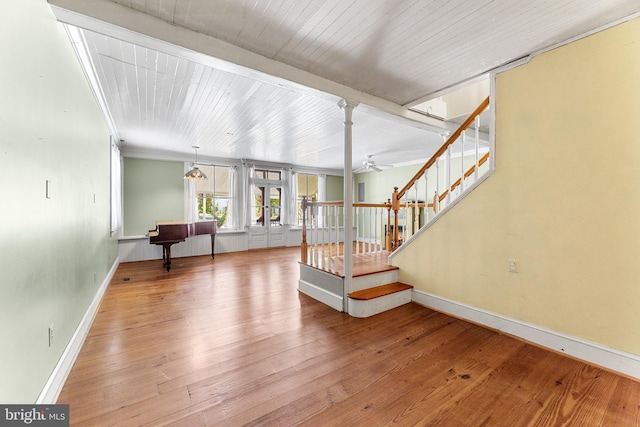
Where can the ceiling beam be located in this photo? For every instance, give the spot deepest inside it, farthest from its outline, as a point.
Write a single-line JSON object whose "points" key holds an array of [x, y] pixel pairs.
{"points": [[124, 23]]}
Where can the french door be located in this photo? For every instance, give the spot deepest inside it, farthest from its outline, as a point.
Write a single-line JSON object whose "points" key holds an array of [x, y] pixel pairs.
{"points": [[266, 230]]}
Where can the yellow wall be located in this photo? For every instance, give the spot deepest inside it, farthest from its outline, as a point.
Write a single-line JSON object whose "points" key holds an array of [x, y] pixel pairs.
{"points": [[564, 200]]}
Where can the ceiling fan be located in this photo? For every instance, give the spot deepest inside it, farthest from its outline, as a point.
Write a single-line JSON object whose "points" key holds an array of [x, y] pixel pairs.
{"points": [[370, 164]]}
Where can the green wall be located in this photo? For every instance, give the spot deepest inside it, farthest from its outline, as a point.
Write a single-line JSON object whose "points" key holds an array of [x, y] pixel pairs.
{"points": [[378, 186], [55, 252], [335, 187], [153, 191]]}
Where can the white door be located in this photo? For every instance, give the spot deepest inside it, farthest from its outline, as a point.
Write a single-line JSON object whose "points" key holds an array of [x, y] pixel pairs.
{"points": [[266, 230]]}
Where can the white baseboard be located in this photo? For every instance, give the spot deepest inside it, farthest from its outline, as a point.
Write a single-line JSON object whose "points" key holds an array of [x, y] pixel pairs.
{"points": [[329, 298], [53, 387], [627, 364]]}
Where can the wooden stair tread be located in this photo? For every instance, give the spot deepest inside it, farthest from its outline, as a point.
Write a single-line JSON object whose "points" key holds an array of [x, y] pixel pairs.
{"points": [[379, 291]]}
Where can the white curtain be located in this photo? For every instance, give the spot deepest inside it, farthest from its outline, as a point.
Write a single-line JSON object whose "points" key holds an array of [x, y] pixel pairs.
{"points": [[190, 203], [234, 209], [290, 199], [322, 187], [116, 187], [322, 197], [247, 172]]}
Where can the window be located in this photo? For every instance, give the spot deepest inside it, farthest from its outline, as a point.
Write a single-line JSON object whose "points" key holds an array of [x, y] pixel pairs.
{"points": [[214, 195], [267, 198], [116, 187], [307, 186], [272, 175], [267, 201]]}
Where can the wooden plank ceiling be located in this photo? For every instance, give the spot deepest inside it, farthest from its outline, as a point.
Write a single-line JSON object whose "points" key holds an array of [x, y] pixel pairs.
{"points": [[261, 79]]}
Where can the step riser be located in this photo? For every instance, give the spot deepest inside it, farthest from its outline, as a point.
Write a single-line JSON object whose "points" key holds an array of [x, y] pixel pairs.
{"points": [[371, 307], [372, 280]]}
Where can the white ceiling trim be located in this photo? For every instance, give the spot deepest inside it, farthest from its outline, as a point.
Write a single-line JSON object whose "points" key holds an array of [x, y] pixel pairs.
{"points": [[149, 154], [587, 34], [450, 89], [79, 45], [263, 80], [123, 23]]}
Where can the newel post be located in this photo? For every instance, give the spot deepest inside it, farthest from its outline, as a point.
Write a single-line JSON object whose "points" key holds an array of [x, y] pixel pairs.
{"points": [[303, 245], [388, 229], [395, 205]]}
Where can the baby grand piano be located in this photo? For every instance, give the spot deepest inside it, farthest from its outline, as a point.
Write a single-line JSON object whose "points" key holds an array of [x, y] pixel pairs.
{"points": [[167, 233]]}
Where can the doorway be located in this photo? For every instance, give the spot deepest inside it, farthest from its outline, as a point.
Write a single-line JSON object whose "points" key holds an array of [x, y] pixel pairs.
{"points": [[266, 229]]}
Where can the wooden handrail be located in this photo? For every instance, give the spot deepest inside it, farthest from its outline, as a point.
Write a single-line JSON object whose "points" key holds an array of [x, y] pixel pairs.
{"points": [[468, 173], [394, 203], [397, 195], [355, 205], [331, 203], [444, 147], [472, 169], [372, 205]]}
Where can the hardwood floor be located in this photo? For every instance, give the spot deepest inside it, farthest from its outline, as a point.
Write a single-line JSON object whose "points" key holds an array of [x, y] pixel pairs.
{"points": [[231, 342]]}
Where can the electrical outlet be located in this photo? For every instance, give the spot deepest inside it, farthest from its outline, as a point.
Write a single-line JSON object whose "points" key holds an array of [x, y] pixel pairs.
{"points": [[514, 267], [51, 335]]}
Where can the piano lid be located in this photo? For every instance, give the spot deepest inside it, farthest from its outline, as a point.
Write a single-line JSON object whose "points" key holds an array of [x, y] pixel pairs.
{"points": [[172, 222]]}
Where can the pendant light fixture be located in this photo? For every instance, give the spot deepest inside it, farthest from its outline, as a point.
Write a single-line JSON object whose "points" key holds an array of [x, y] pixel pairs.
{"points": [[195, 173]]}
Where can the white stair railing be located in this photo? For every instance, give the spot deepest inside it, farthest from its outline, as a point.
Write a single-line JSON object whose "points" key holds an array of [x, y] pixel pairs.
{"points": [[323, 232], [386, 226], [442, 177]]}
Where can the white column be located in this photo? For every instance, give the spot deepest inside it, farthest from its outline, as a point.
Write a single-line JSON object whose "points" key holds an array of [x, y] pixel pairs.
{"points": [[347, 106], [477, 147], [464, 140]]}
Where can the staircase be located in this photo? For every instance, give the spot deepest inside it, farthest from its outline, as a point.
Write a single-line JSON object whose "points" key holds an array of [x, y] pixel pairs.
{"points": [[371, 301], [375, 288], [374, 285]]}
